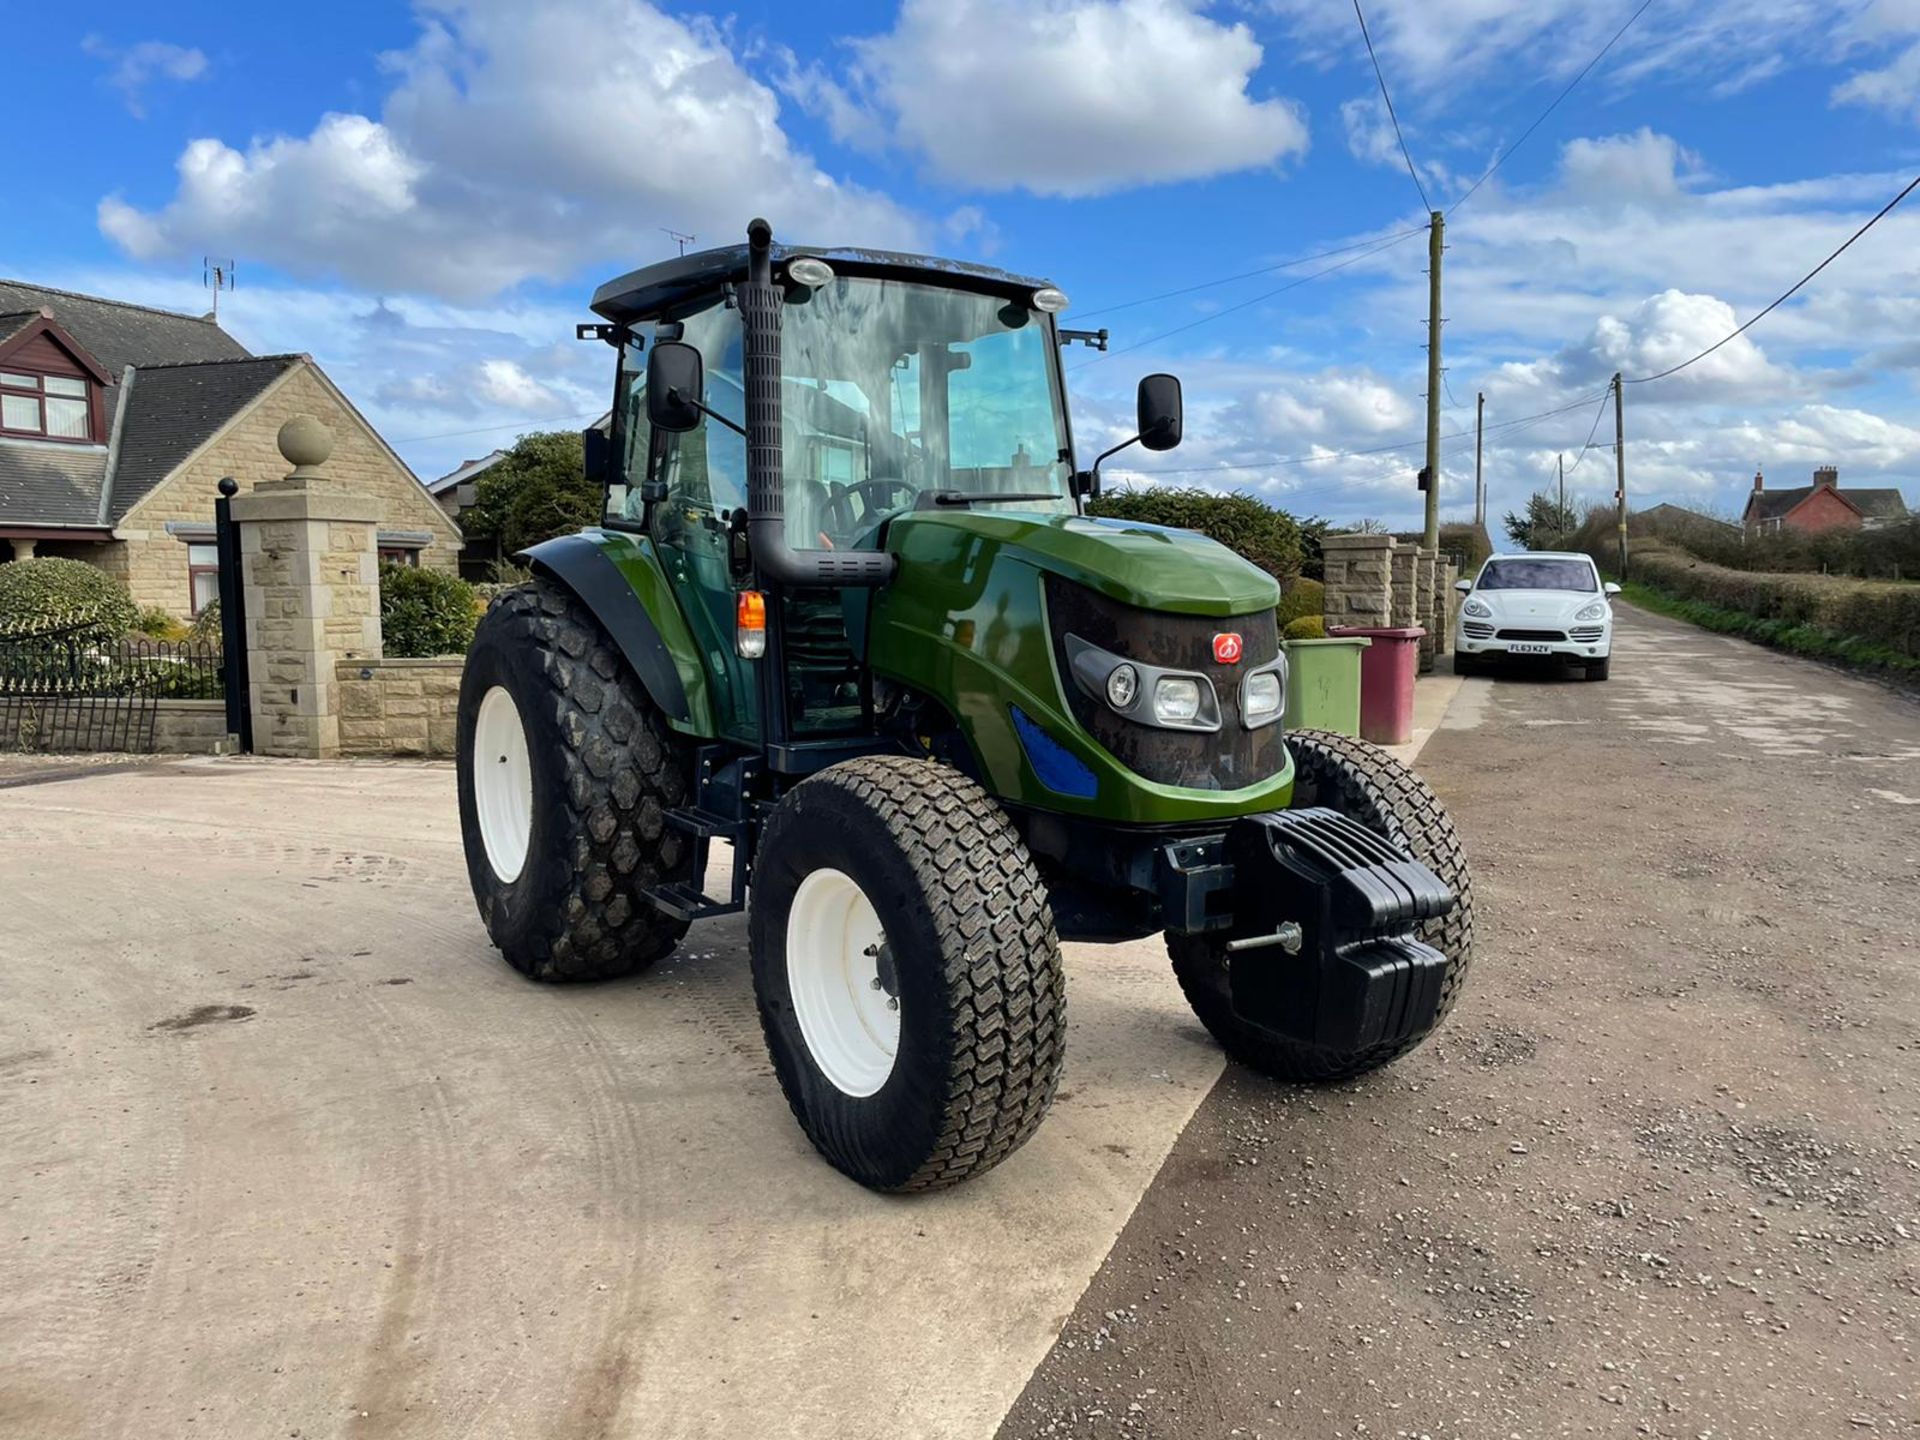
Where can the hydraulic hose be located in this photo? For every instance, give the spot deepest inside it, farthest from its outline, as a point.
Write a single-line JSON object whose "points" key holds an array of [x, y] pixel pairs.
{"points": [[777, 561]]}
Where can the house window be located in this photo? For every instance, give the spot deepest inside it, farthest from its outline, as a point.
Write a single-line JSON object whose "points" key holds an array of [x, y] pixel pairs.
{"points": [[203, 575], [406, 555], [51, 405]]}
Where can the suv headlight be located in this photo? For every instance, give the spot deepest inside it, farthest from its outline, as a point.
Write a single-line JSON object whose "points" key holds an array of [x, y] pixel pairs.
{"points": [[1479, 609], [1596, 611], [1262, 696]]}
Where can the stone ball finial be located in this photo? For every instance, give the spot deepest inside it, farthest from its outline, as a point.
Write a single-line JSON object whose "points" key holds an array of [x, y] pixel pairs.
{"points": [[305, 443]]}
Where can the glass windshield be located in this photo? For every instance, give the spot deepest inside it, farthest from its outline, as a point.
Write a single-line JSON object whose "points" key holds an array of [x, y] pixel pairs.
{"points": [[1538, 575], [892, 390]]}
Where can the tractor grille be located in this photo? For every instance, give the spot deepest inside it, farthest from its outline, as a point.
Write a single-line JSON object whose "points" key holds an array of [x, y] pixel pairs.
{"points": [[1477, 629], [1588, 634], [1229, 758], [1554, 637]]}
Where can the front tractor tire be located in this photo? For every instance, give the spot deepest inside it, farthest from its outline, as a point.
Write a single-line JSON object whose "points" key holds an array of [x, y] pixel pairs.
{"points": [[1372, 787], [907, 971], [566, 772]]}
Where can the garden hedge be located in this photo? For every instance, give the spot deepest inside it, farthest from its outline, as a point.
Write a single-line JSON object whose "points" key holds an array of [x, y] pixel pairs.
{"points": [[54, 596], [1881, 612], [1249, 527], [425, 612]]}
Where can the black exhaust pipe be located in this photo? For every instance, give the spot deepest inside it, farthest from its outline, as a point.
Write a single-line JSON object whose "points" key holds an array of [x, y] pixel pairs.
{"points": [[776, 561]]}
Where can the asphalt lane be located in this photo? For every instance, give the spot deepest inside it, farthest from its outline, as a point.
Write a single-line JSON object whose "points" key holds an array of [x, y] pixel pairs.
{"points": [[1658, 1175]]}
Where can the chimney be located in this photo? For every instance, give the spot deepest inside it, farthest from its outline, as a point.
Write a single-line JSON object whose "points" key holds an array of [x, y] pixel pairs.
{"points": [[1827, 475], [1759, 482]]}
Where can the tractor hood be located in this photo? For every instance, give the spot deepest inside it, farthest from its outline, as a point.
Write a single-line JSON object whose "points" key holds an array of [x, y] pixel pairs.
{"points": [[1151, 566]]}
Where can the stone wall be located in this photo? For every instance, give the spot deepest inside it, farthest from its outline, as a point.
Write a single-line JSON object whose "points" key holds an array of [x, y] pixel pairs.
{"points": [[399, 707], [1426, 578], [154, 563], [174, 727]]}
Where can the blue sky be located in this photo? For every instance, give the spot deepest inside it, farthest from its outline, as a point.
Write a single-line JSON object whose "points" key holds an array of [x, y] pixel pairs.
{"points": [[423, 197]]}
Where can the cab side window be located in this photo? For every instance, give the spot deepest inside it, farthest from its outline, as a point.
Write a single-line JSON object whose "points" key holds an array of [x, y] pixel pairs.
{"points": [[704, 470]]}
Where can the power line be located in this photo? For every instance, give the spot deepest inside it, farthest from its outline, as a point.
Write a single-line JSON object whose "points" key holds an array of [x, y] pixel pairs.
{"points": [[1245, 275], [1379, 75], [1541, 119], [1605, 396], [1275, 462], [1885, 210], [1387, 244], [496, 429]]}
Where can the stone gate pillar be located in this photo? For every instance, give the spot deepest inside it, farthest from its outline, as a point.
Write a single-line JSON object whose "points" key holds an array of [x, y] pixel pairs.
{"points": [[1406, 589], [309, 560], [1426, 586], [1358, 575]]}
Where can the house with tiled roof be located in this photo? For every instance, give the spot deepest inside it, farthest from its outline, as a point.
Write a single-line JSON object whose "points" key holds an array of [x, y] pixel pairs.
{"points": [[118, 421], [1823, 505]]}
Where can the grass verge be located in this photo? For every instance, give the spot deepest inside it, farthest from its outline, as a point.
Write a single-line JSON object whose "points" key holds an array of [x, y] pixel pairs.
{"points": [[1814, 641]]}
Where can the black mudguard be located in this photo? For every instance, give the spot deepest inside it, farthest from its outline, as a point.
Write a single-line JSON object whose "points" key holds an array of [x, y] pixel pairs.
{"points": [[583, 567], [1353, 976]]}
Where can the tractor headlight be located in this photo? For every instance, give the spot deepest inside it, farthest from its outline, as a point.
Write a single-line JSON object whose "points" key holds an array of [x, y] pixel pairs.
{"points": [[1596, 611], [1261, 697], [1176, 700], [1123, 687], [1479, 609]]}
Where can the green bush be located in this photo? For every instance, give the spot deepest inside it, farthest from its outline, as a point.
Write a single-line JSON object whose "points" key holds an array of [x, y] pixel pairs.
{"points": [[52, 596], [205, 629], [1252, 528], [425, 612], [1301, 599], [1306, 627], [158, 623]]}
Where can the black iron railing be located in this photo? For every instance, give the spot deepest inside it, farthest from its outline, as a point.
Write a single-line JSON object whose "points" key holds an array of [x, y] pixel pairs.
{"points": [[73, 693]]}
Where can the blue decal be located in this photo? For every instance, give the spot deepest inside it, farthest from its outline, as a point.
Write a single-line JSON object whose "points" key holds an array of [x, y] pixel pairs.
{"points": [[1053, 764]]}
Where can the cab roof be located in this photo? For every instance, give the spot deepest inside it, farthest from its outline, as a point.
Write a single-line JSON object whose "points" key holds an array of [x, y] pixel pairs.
{"points": [[654, 290]]}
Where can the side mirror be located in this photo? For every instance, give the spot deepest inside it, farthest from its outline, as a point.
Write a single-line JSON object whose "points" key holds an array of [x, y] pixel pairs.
{"points": [[1465, 587], [1159, 412], [676, 384], [1611, 588], [597, 453]]}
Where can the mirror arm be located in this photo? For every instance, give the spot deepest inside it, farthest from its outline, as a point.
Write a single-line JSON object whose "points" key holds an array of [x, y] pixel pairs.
{"points": [[1099, 459], [709, 413]]}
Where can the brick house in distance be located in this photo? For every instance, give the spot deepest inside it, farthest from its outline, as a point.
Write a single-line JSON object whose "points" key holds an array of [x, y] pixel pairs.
{"points": [[118, 421], [1821, 506]]}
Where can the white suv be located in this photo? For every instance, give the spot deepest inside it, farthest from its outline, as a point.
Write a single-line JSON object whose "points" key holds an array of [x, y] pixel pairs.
{"points": [[1542, 602]]}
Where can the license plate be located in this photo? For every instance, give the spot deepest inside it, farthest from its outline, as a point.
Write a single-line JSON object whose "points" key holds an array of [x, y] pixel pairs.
{"points": [[1528, 647]]}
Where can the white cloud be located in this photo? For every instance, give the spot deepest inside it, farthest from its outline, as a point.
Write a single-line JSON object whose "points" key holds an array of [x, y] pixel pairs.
{"points": [[1894, 87], [1369, 131], [1060, 97], [1640, 166], [501, 156], [136, 66], [506, 386]]}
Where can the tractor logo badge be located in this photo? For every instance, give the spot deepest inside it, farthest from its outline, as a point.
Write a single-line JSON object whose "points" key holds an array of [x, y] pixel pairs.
{"points": [[1226, 648]]}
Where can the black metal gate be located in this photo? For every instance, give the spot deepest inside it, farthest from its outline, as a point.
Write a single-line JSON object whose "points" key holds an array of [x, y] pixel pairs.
{"points": [[233, 618], [75, 691]]}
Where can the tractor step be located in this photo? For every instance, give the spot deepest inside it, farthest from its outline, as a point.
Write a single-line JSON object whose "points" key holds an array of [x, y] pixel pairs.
{"points": [[689, 902], [706, 825]]}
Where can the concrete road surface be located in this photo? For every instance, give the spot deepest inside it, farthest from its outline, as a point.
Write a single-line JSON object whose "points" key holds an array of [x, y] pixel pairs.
{"points": [[286, 1151]]}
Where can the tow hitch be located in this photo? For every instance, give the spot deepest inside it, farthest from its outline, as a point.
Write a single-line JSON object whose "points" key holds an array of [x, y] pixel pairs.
{"points": [[1322, 949]]}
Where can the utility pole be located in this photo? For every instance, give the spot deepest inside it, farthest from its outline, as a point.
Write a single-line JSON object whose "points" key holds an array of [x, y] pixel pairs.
{"points": [[1479, 483], [1560, 515], [1620, 468], [1436, 242]]}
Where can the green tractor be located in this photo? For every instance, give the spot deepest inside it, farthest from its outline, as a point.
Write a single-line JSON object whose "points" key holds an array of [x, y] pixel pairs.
{"points": [[846, 613]]}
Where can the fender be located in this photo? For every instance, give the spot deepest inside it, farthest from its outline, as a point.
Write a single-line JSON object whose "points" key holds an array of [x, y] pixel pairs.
{"points": [[585, 564]]}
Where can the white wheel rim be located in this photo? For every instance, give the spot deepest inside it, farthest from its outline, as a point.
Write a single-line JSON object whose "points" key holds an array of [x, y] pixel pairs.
{"points": [[850, 1024], [502, 784]]}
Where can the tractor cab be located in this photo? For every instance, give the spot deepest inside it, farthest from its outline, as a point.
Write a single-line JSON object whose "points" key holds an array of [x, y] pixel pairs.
{"points": [[904, 384]]}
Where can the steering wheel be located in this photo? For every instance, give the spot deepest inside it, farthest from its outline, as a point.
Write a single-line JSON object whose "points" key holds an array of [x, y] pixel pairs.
{"points": [[877, 495]]}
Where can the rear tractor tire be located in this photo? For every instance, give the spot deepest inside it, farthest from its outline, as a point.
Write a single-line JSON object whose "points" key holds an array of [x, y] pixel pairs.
{"points": [[907, 971], [566, 772], [1373, 788]]}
